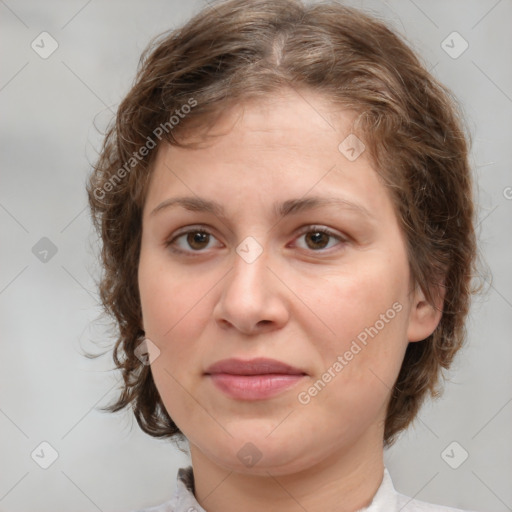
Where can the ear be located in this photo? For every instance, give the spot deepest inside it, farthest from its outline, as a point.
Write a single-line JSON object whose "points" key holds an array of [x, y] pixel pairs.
{"points": [[424, 317]]}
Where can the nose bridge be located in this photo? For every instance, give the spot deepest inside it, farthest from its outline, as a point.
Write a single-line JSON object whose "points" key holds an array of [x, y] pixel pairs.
{"points": [[251, 297], [249, 277]]}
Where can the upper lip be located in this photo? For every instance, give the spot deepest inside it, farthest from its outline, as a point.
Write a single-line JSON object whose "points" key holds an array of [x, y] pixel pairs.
{"points": [[258, 366]]}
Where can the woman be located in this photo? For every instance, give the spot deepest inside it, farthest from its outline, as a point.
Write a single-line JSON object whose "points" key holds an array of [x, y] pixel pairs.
{"points": [[285, 207]]}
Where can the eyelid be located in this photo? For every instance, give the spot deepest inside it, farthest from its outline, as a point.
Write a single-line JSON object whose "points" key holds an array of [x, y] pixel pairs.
{"points": [[192, 227], [324, 229]]}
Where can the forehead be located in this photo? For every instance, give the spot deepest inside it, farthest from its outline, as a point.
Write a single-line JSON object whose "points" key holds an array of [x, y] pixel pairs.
{"points": [[287, 144], [281, 119]]}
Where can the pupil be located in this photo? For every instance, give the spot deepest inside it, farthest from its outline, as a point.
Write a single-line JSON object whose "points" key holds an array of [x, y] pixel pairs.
{"points": [[198, 240], [318, 240]]}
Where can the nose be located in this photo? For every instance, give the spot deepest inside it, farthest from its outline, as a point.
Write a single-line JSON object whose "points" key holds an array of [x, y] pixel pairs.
{"points": [[252, 300]]}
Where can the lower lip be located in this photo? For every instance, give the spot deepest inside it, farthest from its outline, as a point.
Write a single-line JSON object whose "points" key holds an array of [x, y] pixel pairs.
{"points": [[254, 387]]}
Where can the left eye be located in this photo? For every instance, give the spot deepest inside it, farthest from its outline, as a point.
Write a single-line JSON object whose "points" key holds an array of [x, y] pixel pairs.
{"points": [[317, 239]]}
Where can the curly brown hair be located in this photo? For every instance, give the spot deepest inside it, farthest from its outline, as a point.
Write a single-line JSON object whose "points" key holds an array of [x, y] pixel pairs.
{"points": [[411, 124]]}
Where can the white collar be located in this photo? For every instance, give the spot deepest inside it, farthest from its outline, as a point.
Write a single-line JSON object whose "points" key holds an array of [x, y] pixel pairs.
{"points": [[386, 498]]}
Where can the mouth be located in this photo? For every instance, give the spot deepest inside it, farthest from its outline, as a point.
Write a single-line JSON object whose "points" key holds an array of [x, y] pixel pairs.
{"points": [[255, 379]]}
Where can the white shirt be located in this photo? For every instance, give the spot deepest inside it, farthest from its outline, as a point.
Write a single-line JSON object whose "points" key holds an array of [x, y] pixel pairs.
{"points": [[387, 499]]}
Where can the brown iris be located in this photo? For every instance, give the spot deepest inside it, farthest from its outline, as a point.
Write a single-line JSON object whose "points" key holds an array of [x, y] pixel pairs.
{"points": [[198, 240], [317, 239]]}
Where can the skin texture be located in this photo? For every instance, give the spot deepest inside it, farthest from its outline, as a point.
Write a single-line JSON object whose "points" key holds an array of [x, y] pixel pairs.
{"points": [[300, 302]]}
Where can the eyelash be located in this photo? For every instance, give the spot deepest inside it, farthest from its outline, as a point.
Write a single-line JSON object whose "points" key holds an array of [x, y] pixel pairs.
{"points": [[171, 243]]}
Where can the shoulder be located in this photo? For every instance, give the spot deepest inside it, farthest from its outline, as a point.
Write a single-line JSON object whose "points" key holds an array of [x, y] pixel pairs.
{"points": [[388, 499], [406, 504], [168, 506], [183, 499]]}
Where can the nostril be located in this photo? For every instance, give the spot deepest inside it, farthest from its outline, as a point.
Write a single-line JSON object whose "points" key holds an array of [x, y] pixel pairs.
{"points": [[224, 323], [264, 322]]}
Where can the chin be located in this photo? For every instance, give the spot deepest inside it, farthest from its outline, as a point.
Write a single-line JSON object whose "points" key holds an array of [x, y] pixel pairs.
{"points": [[264, 454]]}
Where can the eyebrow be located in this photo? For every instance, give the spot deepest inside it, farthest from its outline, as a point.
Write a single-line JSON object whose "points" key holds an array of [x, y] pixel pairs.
{"points": [[289, 207], [193, 204], [294, 206]]}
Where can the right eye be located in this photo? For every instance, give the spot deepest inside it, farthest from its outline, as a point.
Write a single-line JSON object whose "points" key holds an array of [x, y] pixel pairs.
{"points": [[193, 241]]}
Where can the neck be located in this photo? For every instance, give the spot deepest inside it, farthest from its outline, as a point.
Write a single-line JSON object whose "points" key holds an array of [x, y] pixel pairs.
{"points": [[346, 481]]}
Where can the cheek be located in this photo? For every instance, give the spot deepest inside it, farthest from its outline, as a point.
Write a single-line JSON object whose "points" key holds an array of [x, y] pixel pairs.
{"points": [[175, 309], [364, 317], [172, 300], [349, 303]]}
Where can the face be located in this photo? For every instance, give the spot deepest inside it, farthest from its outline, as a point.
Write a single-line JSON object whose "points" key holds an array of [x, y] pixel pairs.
{"points": [[269, 242]]}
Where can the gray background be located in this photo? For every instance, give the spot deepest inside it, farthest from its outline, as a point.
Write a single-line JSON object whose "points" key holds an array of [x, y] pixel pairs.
{"points": [[49, 310]]}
